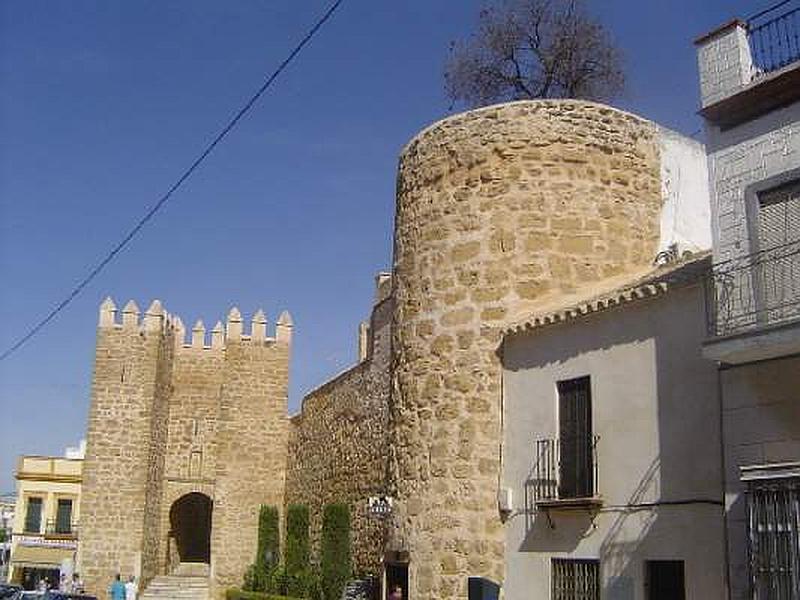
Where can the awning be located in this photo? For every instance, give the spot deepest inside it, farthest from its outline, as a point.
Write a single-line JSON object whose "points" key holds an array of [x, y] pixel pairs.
{"points": [[39, 557]]}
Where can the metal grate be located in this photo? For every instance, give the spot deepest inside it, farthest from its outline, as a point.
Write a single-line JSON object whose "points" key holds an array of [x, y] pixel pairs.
{"points": [[773, 541], [565, 470], [755, 291], [575, 579], [775, 40]]}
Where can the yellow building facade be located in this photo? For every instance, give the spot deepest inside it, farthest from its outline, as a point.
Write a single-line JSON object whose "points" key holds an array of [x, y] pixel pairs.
{"points": [[44, 540]]}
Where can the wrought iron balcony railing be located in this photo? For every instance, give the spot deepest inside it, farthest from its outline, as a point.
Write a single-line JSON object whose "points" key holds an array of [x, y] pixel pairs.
{"points": [[775, 38], [754, 291], [61, 529], [565, 471]]}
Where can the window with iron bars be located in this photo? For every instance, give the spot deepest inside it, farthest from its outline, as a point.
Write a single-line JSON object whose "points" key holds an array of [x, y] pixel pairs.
{"points": [[773, 508], [575, 579]]}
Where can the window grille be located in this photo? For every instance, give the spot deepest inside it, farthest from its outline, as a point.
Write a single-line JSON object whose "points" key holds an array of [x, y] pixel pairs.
{"points": [[575, 579], [773, 542]]}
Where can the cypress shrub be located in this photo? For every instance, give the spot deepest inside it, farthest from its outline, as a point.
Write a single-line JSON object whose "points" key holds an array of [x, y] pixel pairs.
{"points": [[268, 553], [335, 560], [297, 548]]}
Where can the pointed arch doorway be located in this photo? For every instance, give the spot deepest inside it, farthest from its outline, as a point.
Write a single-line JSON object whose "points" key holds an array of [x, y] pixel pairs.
{"points": [[190, 526]]}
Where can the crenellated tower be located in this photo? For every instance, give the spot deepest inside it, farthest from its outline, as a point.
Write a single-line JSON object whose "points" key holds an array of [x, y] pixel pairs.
{"points": [[186, 439]]}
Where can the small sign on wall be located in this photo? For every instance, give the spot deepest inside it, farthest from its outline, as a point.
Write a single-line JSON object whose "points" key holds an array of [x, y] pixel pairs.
{"points": [[379, 506]]}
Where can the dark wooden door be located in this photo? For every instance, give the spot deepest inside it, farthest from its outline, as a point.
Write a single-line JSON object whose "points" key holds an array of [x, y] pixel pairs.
{"points": [[576, 464]]}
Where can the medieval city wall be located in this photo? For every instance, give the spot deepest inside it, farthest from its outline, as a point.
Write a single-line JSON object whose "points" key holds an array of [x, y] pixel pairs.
{"points": [[125, 445], [251, 441], [338, 442], [500, 211], [170, 418]]}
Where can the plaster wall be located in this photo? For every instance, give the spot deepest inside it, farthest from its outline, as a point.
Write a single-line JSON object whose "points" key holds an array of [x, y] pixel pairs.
{"points": [[655, 408], [741, 159], [686, 210], [761, 404]]}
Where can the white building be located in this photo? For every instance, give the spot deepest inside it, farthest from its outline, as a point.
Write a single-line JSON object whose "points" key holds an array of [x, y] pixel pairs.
{"points": [[750, 87], [611, 449]]}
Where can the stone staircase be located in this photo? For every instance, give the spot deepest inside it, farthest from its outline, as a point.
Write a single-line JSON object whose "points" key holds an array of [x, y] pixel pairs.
{"points": [[188, 582]]}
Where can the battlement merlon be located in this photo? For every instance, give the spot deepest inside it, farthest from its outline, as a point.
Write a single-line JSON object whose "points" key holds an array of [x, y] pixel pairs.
{"points": [[156, 319]]}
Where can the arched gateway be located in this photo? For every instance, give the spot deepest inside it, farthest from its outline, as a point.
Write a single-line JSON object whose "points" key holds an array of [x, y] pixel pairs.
{"points": [[190, 526]]}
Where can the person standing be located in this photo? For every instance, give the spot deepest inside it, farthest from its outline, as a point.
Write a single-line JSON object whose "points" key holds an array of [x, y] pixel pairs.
{"points": [[117, 589], [396, 593], [77, 584], [131, 589]]}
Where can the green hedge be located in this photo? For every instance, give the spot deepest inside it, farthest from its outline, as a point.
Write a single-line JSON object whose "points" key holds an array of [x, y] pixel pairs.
{"points": [[259, 574], [335, 561], [297, 546], [235, 594]]}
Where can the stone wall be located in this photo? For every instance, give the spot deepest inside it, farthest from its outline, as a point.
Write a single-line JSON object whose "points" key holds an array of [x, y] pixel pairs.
{"points": [[338, 442], [124, 453], [499, 211], [251, 449], [168, 419]]}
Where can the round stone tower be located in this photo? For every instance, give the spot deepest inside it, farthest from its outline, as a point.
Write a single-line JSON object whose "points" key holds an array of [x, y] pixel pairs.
{"points": [[501, 212]]}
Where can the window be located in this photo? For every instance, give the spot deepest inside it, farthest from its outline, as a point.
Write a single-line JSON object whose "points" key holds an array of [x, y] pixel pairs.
{"points": [[33, 515], [575, 579], [64, 516], [664, 580], [779, 216], [773, 509], [576, 443]]}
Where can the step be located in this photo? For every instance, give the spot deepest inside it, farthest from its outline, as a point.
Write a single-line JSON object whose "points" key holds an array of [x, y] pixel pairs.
{"points": [[179, 587]]}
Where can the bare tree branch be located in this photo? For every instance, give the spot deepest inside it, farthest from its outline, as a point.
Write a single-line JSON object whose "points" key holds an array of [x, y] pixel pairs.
{"points": [[534, 49]]}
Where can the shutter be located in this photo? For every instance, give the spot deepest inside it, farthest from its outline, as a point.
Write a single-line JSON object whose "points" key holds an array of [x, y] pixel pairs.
{"points": [[779, 216], [575, 439]]}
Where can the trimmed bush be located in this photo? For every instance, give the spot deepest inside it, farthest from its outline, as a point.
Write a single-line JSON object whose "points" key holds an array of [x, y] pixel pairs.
{"points": [[259, 575], [268, 539], [297, 547], [335, 560], [298, 576], [236, 594]]}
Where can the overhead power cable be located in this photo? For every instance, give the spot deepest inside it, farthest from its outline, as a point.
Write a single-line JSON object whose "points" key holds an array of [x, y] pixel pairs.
{"points": [[174, 187]]}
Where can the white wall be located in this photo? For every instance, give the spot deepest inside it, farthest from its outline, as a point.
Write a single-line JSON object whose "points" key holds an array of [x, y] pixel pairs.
{"points": [[739, 157], [656, 411], [686, 212]]}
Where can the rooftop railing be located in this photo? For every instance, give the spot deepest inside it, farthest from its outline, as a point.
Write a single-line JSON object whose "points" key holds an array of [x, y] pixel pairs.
{"points": [[755, 291], [774, 36]]}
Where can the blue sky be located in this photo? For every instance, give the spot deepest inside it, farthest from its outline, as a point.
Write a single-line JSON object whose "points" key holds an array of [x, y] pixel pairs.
{"points": [[103, 103]]}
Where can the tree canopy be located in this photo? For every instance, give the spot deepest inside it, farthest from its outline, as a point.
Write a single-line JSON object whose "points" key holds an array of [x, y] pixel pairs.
{"points": [[527, 49]]}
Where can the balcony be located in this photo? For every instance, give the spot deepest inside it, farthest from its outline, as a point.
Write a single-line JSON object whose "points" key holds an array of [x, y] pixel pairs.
{"points": [[774, 38], [564, 475], [750, 67], [753, 306]]}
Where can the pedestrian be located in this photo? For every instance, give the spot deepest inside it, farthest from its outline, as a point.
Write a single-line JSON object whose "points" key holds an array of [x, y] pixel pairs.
{"points": [[117, 589], [131, 588], [64, 584], [396, 593], [42, 586], [77, 584]]}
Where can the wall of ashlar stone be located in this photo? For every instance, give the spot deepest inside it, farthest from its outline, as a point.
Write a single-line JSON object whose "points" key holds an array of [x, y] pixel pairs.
{"points": [[500, 211], [338, 442], [125, 446], [169, 418]]}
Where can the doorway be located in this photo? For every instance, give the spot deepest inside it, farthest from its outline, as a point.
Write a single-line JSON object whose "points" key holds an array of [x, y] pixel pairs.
{"points": [[397, 574], [190, 526]]}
